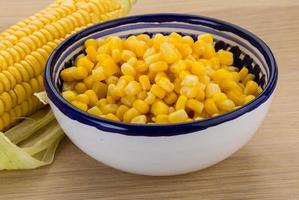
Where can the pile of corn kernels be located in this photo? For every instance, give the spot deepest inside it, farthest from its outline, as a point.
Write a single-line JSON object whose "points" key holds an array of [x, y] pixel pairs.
{"points": [[160, 79]]}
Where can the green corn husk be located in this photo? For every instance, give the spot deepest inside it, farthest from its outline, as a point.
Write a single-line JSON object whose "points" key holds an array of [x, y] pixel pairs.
{"points": [[32, 143]]}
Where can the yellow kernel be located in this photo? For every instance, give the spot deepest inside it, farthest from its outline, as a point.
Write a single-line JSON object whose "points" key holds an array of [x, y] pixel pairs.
{"points": [[159, 66], [116, 55], [98, 74], [200, 95], [251, 88], [198, 68], [249, 98], [82, 98], [226, 105], [142, 95], [100, 89], [130, 114], [159, 107], [188, 40], [128, 69], [211, 89], [195, 105], [219, 97], [95, 111], [111, 116], [127, 54], [190, 92], [132, 61], [249, 77], [181, 102], [68, 74], [128, 100], [165, 84], [93, 98], [88, 81], [102, 102], [141, 106], [162, 119], [120, 111], [225, 57], [243, 73], [190, 80], [210, 107], [80, 87], [91, 53], [111, 80], [69, 95], [141, 66], [81, 105], [144, 82], [207, 38], [133, 88], [149, 52], [170, 98], [177, 67], [91, 42], [169, 53], [141, 119], [178, 116], [150, 99], [221, 74], [86, 63], [237, 97], [158, 91], [109, 108], [153, 58]]}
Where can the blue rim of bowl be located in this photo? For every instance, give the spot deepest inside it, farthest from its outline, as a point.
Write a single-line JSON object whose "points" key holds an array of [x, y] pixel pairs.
{"points": [[155, 130]]}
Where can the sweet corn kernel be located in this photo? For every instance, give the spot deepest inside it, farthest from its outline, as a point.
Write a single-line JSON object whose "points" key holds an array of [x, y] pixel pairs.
{"points": [[170, 98], [128, 69], [212, 89], [190, 92], [109, 108], [128, 100], [91, 42], [144, 82], [249, 77], [69, 95], [101, 103], [219, 97], [111, 116], [200, 95], [130, 114], [165, 84], [80, 105], [98, 74], [141, 119], [142, 95], [198, 68], [169, 53], [221, 74], [226, 105], [83, 98], [251, 88], [159, 66], [95, 111], [121, 111], [150, 99], [80, 87], [249, 98], [133, 88], [100, 89], [91, 53], [178, 116], [92, 96], [86, 63], [190, 80], [225, 57], [195, 105], [208, 38], [111, 80], [177, 67], [141, 66], [181, 102], [153, 58], [243, 73], [159, 107], [141, 106], [162, 119], [237, 97], [210, 107], [127, 54], [158, 91], [116, 55], [88, 81]]}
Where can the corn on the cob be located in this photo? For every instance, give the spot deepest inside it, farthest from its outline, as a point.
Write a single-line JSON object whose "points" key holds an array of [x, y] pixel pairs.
{"points": [[25, 47]]}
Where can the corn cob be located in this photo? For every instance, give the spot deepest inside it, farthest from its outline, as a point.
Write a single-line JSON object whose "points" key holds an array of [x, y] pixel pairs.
{"points": [[26, 46]]}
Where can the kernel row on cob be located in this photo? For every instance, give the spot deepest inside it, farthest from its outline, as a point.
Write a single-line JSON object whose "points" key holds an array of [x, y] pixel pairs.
{"points": [[25, 47]]}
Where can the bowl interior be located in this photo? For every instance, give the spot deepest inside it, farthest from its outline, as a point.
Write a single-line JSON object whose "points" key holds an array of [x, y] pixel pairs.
{"points": [[248, 50]]}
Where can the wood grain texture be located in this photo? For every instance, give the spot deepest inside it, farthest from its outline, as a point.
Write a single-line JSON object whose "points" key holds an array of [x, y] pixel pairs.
{"points": [[266, 168]]}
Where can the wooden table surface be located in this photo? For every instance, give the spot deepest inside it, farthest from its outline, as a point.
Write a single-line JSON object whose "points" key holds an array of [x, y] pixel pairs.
{"points": [[266, 168]]}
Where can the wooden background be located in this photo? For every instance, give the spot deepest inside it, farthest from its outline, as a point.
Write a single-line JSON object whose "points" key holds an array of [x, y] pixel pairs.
{"points": [[266, 168]]}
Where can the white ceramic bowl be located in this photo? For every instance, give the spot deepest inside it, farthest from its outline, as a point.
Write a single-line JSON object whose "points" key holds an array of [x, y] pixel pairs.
{"points": [[165, 149]]}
